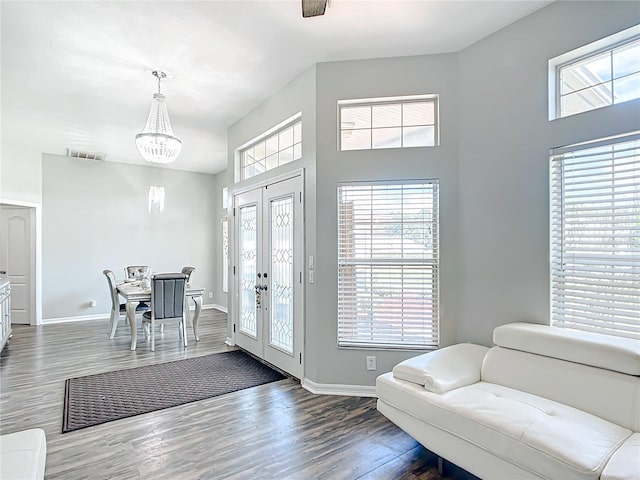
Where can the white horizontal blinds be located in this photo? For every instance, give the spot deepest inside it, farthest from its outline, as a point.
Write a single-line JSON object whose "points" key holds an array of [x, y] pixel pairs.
{"points": [[595, 236], [388, 265]]}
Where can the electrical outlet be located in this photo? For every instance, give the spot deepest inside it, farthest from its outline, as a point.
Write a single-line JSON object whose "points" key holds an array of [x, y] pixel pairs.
{"points": [[210, 294], [371, 362]]}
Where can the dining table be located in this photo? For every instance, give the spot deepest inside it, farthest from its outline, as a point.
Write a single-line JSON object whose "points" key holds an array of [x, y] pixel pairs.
{"points": [[133, 293]]}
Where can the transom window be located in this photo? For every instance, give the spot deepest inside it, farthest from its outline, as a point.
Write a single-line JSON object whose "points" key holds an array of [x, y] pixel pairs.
{"points": [[278, 146], [388, 265], [393, 122], [604, 73], [595, 236]]}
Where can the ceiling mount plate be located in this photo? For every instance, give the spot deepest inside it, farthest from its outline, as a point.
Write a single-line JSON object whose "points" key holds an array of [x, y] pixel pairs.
{"points": [[313, 8]]}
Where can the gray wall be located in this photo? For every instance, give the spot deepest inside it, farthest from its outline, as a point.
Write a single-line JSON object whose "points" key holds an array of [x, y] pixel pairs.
{"points": [[505, 137], [380, 78], [20, 173], [298, 96], [492, 164], [95, 216]]}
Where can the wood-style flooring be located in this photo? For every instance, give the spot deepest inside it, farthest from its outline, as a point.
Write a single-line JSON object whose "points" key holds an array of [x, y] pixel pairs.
{"points": [[273, 431]]}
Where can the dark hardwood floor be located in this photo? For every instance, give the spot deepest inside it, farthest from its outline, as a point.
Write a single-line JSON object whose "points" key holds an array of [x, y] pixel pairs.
{"points": [[273, 431]]}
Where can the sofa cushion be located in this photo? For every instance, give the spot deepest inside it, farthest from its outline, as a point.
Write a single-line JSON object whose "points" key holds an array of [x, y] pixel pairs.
{"points": [[539, 435], [625, 463], [444, 369], [23, 455], [589, 348]]}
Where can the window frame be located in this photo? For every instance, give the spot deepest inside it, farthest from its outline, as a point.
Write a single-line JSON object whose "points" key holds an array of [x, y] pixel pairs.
{"points": [[432, 263], [263, 137], [402, 100], [578, 55]]}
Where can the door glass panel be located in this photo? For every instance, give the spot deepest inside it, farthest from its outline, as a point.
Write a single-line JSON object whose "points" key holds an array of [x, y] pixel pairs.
{"points": [[247, 254], [281, 300]]}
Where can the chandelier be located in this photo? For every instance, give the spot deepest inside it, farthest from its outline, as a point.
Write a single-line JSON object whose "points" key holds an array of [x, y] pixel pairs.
{"points": [[156, 143]]}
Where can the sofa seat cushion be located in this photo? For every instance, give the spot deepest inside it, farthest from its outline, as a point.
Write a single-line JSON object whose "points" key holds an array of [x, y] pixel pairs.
{"points": [[625, 463], [539, 435], [23, 455]]}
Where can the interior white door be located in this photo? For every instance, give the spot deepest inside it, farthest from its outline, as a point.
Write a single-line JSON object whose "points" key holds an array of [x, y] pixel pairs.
{"points": [[15, 259], [269, 260]]}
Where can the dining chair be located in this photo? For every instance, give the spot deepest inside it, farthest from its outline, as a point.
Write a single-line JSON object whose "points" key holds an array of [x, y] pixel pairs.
{"points": [[188, 271], [137, 271], [168, 302], [117, 308]]}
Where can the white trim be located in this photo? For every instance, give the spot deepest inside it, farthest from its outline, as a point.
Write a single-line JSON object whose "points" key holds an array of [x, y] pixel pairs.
{"points": [[261, 182], [265, 134], [591, 49], [217, 307], [379, 100], [338, 389], [79, 318], [19, 203], [37, 280], [105, 316], [229, 341]]}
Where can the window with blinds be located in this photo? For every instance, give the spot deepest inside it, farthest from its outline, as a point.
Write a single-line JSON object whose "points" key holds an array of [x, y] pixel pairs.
{"points": [[595, 236], [388, 264]]}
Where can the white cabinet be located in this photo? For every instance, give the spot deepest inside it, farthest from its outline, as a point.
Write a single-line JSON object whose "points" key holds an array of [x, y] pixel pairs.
{"points": [[5, 312]]}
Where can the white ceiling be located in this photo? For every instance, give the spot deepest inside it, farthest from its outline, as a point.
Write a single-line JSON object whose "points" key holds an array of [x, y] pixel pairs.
{"points": [[77, 74]]}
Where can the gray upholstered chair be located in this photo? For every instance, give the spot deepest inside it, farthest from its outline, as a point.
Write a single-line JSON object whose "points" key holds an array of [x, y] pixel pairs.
{"points": [[188, 271], [117, 308], [168, 302]]}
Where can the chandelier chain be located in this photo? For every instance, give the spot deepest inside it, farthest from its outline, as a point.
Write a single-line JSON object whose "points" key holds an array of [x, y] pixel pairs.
{"points": [[159, 75]]}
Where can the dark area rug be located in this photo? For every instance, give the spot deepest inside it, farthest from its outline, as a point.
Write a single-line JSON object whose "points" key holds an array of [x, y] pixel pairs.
{"points": [[105, 397]]}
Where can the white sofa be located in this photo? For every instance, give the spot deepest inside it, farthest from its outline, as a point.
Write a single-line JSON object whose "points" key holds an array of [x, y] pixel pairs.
{"points": [[544, 402], [23, 455]]}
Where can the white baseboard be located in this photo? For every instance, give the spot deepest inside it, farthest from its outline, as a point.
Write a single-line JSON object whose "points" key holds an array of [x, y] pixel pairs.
{"points": [[229, 341], [106, 316], [79, 318], [217, 307], [337, 389]]}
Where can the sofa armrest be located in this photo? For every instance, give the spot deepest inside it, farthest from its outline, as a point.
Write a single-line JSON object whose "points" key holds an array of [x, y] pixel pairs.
{"points": [[624, 464], [23, 454], [445, 369]]}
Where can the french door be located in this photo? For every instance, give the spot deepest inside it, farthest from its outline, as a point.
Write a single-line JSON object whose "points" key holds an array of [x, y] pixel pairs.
{"points": [[269, 258]]}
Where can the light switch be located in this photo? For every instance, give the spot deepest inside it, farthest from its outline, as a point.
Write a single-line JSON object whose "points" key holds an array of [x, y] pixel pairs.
{"points": [[311, 262]]}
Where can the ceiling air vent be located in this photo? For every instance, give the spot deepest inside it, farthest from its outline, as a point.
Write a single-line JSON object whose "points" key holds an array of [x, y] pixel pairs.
{"points": [[87, 155]]}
